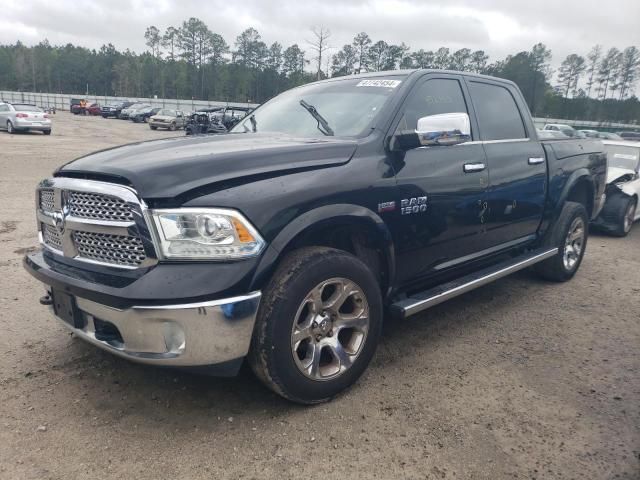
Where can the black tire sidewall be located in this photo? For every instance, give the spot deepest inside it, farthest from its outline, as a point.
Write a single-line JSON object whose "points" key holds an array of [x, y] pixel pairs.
{"points": [[570, 212], [624, 208], [281, 364]]}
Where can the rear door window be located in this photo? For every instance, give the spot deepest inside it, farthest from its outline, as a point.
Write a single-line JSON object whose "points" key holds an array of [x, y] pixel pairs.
{"points": [[497, 112]]}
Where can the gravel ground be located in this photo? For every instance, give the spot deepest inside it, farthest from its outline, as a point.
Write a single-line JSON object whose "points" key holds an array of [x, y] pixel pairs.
{"points": [[520, 379]]}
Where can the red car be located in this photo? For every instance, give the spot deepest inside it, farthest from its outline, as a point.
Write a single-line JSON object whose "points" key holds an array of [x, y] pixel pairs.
{"points": [[86, 109]]}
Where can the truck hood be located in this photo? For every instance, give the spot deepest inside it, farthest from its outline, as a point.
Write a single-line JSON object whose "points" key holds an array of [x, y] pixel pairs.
{"points": [[169, 167], [614, 173]]}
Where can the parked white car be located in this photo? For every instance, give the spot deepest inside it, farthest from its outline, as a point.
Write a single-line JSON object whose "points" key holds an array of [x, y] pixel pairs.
{"points": [[21, 117], [623, 188], [568, 130]]}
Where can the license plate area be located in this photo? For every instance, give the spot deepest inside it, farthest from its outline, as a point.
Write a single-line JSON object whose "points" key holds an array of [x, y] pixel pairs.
{"points": [[65, 308]]}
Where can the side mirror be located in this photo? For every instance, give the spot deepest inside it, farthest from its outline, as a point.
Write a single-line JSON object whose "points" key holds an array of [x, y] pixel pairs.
{"points": [[444, 129]]}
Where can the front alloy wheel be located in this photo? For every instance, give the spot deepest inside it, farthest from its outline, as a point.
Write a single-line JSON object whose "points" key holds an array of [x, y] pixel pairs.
{"points": [[629, 217], [330, 329], [317, 326]]}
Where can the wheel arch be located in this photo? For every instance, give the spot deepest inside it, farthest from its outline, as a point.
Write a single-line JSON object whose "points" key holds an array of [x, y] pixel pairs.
{"points": [[580, 188], [348, 227]]}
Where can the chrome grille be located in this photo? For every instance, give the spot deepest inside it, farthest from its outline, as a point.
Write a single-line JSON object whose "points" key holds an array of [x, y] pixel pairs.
{"points": [[51, 237], [112, 249], [96, 206], [93, 221], [47, 200]]}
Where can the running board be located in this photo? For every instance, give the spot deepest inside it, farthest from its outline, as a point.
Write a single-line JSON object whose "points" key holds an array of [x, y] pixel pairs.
{"points": [[421, 301]]}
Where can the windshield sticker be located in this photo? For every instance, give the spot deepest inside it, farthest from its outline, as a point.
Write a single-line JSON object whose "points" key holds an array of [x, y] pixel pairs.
{"points": [[624, 156], [379, 83]]}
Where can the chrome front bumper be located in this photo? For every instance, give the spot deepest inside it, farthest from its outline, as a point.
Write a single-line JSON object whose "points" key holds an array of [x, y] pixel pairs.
{"points": [[189, 335]]}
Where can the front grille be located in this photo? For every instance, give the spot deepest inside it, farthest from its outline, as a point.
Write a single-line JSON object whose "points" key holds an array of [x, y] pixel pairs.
{"points": [[96, 206], [51, 237], [112, 249], [95, 222], [46, 200]]}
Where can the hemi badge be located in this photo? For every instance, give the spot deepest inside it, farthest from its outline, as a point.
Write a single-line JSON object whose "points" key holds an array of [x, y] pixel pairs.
{"points": [[386, 207]]}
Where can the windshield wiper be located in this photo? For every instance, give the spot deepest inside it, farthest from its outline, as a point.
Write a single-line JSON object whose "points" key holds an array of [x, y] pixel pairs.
{"points": [[254, 124], [326, 129]]}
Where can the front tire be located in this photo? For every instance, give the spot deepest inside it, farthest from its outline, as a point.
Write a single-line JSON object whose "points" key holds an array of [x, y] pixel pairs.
{"points": [[570, 236], [172, 126], [318, 325], [153, 127], [622, 211]]}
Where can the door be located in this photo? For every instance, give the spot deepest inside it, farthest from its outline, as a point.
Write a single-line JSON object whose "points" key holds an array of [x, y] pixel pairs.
{"points": [[517, 165], [440, 188]]}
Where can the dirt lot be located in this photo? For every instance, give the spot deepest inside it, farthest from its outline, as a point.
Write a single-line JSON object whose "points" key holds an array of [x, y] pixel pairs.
{"points": [[521, 379]]}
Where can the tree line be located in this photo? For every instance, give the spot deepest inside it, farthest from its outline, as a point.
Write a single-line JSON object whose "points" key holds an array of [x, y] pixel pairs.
{"points": [[192, 61]]}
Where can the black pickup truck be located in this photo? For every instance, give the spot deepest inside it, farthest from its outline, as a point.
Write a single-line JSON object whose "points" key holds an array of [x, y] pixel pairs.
{"points": [[286, 241]]}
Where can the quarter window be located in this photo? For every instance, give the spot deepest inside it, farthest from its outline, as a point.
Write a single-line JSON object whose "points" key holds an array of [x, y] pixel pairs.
{"points": [[498, 114]]}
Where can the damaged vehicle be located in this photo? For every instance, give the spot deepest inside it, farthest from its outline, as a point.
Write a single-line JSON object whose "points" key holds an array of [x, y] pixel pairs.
{"points": [[623, 188], [216, 119], [205, 121]]}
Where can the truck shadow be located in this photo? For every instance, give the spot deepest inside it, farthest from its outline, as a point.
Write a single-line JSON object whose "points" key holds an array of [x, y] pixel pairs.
{"points": [[118, 388]]}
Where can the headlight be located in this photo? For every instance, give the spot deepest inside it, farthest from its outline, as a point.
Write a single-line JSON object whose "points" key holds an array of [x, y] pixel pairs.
{"points": [[205, 234]]}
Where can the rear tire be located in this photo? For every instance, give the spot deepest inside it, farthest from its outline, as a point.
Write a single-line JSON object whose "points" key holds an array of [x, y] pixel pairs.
{"points": [[318, 325], [10, 128], [47, 132], [570, 236]]}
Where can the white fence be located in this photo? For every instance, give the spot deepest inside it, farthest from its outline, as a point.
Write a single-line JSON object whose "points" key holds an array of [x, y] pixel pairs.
{"points": [[586, 124], [63, 101]]}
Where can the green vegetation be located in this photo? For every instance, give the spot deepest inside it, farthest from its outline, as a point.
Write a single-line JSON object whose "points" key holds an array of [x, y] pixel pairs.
{"points": [[191, 61]]}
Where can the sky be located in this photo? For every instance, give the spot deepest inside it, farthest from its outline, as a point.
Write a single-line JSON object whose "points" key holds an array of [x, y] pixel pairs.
{"points": [[499, 27]]}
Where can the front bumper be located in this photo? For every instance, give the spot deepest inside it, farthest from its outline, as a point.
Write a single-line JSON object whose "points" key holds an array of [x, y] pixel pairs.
{"points": [[179, 315], [189, 335]]}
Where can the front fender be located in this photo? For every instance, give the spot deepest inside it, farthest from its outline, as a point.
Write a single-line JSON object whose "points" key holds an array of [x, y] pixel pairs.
{"points": [[321, 217]]}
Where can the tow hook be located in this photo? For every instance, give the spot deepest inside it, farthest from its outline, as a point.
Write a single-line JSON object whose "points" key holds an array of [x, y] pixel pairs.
{"points": [[46, 300]]}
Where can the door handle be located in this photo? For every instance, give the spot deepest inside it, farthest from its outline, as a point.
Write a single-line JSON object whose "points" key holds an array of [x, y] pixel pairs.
{"points": [[474, 167], [536, 160]]}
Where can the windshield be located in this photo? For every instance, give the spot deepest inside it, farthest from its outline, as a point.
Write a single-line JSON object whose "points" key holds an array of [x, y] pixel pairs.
{"points": [[26, 108], [348, 106], [620, 156]]}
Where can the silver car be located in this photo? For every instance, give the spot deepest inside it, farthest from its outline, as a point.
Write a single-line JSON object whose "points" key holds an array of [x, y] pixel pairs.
{"points": [[20, 117], [167, 118]]}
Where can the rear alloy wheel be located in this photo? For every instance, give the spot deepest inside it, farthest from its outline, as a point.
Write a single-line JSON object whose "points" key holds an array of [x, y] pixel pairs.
{"points": [[569, 235], [10, 128], [574, 244], [318, 325]]}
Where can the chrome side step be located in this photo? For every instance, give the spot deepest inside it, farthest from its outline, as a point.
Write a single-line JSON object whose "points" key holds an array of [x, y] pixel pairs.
{"points": [[421, 301]]}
